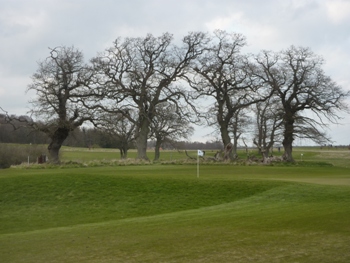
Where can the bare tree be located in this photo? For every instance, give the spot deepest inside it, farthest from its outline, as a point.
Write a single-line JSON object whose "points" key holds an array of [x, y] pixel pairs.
{"points": [[269, 123], [140, 73], [168, 125], [60, 85], [295, 75], [240, 123], [120, 128], [221, 73]]}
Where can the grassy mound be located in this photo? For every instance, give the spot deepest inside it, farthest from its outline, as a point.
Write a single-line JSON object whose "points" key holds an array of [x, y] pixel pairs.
{"points": [[166, 214], [71, 197]]}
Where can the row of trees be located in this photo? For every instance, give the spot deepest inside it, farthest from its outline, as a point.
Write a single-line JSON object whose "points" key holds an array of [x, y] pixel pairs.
{"points": [[149, 86], [10, 132]]}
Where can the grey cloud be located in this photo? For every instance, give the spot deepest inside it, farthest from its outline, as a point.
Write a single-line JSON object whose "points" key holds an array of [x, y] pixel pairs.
{"points": [[28, 28]]}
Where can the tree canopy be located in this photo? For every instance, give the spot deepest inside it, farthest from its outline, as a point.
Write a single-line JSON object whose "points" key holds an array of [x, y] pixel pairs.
{"points": [[148, 87], [60, 85], [296, 78]]}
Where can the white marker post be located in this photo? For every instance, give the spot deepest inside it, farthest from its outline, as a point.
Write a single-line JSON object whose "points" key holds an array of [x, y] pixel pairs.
{"points": [[199, 153]]}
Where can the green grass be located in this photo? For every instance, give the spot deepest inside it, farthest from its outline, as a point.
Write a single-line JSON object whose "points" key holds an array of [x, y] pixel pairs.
{"points": [[86, 155], [72, 196], [164, 213]]}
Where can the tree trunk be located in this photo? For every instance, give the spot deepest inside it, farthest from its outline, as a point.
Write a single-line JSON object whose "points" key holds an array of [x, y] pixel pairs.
{"points": [[141, 140], [234, 149], [157, 149], [288, 140], [57, 140], [265, 155], [235, 145], [226, 139], [125, 156], [123, 152], [228, 151], [288, 148]]}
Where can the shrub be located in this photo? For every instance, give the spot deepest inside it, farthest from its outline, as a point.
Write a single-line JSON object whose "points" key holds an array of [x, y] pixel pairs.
{"points": [[11, 154]]}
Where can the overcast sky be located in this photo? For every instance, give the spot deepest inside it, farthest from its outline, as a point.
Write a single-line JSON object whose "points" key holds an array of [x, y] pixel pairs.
{"points": [[29, 27]]}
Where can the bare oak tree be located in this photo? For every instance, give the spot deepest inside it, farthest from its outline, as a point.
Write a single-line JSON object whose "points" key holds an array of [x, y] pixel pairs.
{"points": [[140, 73], [120, 128], [168, 125], [308, 96], [60, 86], [221, 73], [240, 123], [269, 123]]}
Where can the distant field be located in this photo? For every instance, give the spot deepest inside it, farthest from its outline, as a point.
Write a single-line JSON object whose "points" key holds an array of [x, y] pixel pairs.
{"points": [[165, 213], [85, 154], [334, 156]]}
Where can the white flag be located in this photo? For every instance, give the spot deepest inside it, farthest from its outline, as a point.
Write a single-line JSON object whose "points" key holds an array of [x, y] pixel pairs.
{"points": [[200, 153]]}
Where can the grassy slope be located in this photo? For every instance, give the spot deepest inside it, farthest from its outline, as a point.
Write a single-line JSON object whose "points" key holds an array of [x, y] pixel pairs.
{"points": [[164, 213], [73, 196]]}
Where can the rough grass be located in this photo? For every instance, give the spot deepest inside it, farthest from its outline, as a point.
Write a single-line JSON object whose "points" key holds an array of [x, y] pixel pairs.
{"points": [[335, 156]]}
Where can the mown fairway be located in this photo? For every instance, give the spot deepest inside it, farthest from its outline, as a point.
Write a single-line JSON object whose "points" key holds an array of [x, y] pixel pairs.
{"points": [[164, 213]]}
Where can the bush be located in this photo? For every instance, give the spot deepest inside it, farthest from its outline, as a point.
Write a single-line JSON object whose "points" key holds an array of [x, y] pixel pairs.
{"points": [[17, 154]]}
